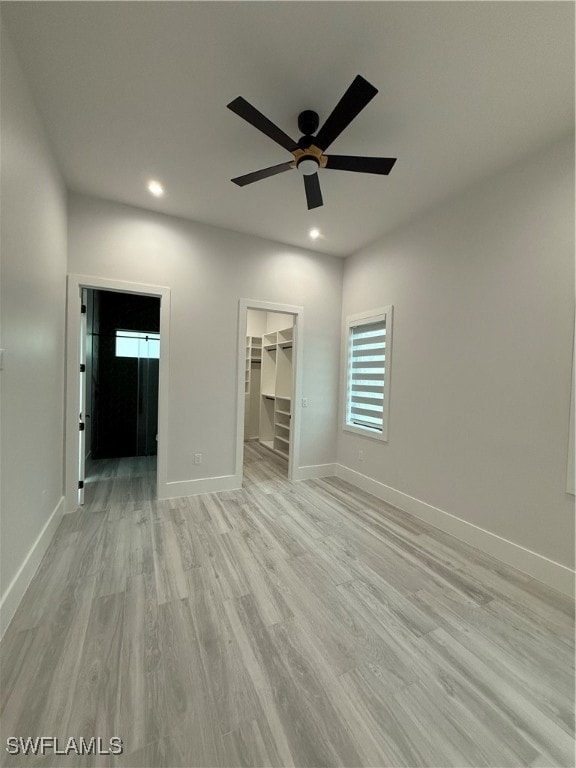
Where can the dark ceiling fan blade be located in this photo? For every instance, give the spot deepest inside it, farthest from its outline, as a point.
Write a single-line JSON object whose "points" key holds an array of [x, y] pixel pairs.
{"points": [[360, 164], [249, 178], [350, 105], [313, 193], [241, 107]]}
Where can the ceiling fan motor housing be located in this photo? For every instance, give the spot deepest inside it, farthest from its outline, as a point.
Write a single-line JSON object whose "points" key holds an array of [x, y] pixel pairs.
{"points": [[308, 122]]}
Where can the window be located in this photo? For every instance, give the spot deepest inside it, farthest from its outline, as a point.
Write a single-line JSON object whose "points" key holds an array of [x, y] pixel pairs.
{"points": [[137, 344], [369, 339]]}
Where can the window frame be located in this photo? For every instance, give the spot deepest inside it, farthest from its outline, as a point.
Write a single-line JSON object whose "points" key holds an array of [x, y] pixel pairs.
{"points": [[384, 314]]}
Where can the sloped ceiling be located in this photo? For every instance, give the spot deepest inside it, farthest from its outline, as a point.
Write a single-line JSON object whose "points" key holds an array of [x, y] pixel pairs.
{"points": [[134, 90]]}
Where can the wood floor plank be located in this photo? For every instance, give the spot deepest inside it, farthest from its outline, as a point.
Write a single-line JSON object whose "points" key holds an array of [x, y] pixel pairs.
{"points": [[193, 747], [446, 735], [262, 683], [232, 692], [294, 691], [113, 571], [168, 567], [186, 696], [248, 747], [95, 694], [137, 660], [187, 540], [405, 744]]}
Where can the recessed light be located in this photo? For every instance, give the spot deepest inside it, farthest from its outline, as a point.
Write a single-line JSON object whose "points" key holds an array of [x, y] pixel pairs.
{"points": [[314, 234], [155, 188]]}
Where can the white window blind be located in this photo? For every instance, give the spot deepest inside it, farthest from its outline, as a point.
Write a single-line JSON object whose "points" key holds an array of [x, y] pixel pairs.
{"points": [[136, 344], [367, 375]]}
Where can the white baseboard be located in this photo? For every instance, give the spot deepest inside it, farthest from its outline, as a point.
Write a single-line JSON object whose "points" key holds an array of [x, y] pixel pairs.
{"points": [[314, 471], [554, 574], [177, 488], [19, 584]]}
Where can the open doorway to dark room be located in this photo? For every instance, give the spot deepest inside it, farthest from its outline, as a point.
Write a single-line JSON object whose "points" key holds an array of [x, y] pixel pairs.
{"points": [[122, 366]]}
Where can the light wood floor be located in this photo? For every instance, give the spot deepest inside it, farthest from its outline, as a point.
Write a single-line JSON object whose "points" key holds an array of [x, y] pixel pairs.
{"points": [[125, 479], [285, 624]]}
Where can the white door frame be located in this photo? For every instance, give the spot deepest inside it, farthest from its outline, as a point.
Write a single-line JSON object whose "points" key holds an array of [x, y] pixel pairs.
{"points": [[243, 306], [82, 394], [75, 283]]}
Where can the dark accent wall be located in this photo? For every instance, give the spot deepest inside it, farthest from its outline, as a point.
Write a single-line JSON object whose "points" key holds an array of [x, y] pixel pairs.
{"points": [[124, 393]]}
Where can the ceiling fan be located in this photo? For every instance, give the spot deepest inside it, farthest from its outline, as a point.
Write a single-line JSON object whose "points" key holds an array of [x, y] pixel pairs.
{"points": [[309, 150]]}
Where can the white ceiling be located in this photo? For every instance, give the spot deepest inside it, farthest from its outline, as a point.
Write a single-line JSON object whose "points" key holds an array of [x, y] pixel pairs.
{"points": [[132, 91]]}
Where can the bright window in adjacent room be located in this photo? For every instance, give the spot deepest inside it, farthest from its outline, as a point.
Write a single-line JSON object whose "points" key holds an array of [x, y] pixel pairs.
{"points": [[369, 340], [137, 344]]}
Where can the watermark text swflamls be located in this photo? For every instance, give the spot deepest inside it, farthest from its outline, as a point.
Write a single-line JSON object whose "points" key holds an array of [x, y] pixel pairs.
{"points": [[44, 745]]}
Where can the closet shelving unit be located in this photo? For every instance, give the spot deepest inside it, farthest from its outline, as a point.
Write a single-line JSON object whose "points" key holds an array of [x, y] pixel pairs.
{"points": [[252, 385], [255, 349], [253, 355], [276, 391], [247, 367]]}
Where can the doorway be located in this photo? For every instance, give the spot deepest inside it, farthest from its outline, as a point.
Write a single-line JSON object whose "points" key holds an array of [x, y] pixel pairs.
{"points": [[122, 351], [268, 391], [139, 442]]}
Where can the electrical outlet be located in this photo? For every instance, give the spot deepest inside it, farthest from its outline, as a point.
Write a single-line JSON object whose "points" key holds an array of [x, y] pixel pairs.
{"points": [[304, 402], [360, 455], [197, 458]]}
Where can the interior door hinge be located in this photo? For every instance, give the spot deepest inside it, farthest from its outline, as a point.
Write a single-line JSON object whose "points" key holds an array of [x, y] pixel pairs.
{"points": [[82, 368], [83, 309], [80, 484], [81, 426]]}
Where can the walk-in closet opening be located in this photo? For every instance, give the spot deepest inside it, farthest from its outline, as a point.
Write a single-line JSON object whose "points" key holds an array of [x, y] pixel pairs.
{"points": [[269, 386], [122, 351]]}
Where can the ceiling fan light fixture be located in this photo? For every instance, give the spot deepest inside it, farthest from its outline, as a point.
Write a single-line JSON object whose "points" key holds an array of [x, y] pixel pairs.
{"points": [[308, 166]]}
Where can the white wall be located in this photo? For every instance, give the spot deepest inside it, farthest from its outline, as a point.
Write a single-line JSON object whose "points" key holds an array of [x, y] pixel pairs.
{"points": [[33, 243], [259, 322], [256, 322], [483, 295], [277, 321], [208, 270]]}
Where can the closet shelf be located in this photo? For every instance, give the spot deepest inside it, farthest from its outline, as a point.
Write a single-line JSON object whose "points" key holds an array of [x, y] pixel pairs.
{"points": [[276, 391], [252, 385]]}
